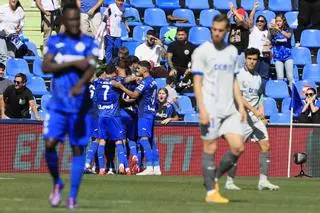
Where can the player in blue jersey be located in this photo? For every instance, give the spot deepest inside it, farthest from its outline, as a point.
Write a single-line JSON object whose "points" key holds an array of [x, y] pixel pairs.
{"points": [[110, 126], [71, 58], [146, 92]]}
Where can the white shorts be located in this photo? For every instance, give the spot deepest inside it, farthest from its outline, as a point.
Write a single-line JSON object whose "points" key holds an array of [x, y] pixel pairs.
{"points": [[255, 130], [222, 126]]}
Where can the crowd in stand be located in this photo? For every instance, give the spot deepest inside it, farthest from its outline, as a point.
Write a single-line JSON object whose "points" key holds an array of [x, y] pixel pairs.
{"points": [[169, 60]]}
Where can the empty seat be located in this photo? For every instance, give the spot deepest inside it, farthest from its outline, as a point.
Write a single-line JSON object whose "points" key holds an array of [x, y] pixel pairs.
{"points": [[142, 3], [161, 82], [168, 4], [277, 89], [280, 5], [296, 73], [155, 17], [31, 46], [310, 38], [185, 105], [37, 69], [269, 15], [131, 45], [197, 4], [281, 118], [140, 32], [248, 4], [191, 117], [44, 101], [303, 85], [301, 55], [16, 65], [132, 16], [292, 19], [318, 57], [198, 35], [37, 85], [168, 34], [185, 13], [223, 4], [207, 16], [311, 72], [108, 2], [270, 106]]}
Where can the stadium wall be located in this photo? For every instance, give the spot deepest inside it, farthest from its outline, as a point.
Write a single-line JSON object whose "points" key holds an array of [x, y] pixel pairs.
{"points": [[22, 148]]}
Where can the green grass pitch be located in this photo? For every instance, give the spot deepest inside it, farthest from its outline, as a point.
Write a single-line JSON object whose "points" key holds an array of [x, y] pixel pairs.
{"points": [[29, 193]]}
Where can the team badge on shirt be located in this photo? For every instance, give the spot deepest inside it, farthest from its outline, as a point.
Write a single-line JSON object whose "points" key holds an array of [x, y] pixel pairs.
{"points": [[80, 46]]}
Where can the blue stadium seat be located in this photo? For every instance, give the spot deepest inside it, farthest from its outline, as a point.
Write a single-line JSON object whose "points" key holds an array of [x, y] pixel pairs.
{"points": [[124, 32], [310, 38], [31, 46], [318, 57], [281, 118], [37, 85], [296, 73], [292, 19], [44, 101], [185, 105], [108, 2], [311, 72], [155, 17], [197, 4], [248, 4], [132, 16], [131, 45], [168, 4], [280, 5], [223, 4], [198, 35], [207, 16], [102, 9], [17, 65], [269, 15], [191, 117], [163, 31], [140, 32], [301, 55], [303, 85], [277, 89], [185, 13], [285, 106], [37, 69], [161, 82], [142, 3], [270, 106]]}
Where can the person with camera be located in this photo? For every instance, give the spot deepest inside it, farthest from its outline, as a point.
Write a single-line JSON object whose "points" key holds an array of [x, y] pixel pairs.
{"points": [[310, 112]]}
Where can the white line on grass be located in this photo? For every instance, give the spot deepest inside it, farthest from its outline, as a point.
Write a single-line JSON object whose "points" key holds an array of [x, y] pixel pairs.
{"points": [[7, 178]]}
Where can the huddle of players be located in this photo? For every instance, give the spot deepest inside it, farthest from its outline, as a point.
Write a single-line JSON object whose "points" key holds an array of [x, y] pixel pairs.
{"points": [[122, 121]]}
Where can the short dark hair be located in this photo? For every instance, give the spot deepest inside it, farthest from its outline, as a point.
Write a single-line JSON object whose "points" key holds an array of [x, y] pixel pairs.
{"points": [[152, 33], [133, 59], [313, 90], [170, 79], [251, 51], [182, 29], [110, 69], [145, 64], [222, 18], [21, 75], [70, 6], [2, 66]]}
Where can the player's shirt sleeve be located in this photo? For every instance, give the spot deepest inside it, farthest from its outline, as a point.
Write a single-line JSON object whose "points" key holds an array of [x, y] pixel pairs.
{"points": [[141, 87], [29, 95], [50, 46], [198, 61]]}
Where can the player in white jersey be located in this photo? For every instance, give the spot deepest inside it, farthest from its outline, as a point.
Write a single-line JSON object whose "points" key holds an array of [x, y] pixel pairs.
{"points": [[216, 90], [250, 87]]}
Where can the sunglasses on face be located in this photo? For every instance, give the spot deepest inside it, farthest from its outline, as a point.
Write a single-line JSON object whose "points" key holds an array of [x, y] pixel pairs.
{"points": [[309, 94], [17, 82]]}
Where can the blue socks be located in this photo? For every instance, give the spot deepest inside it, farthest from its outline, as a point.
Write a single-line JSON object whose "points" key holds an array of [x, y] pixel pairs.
{"points": [[53, 166], [102, 162], [77, 168], [91, 152], [121, 155], [133, 147], [147, 151]]}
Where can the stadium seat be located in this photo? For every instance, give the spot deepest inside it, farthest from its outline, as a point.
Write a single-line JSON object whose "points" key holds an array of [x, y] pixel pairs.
{"points": [[132, 16], [285, 106], [155, 17], [142, 3], [37, 85], [168, 34], [197, 4], [281, 118], [161, 82], [16, 65], [280, 5], [269, 15], [31, 46], [270, 106], [168, 4], [310, 38], [124, 32], [37, 69], [223, 4], [131, 45], [191, 117], [301, 55], [277, 89], [248, 4], [292, 19], [311, 72], [303, 85], [140, 32], [44, 101], [185, 105], [207, 16], [198, 35], [318, 57], [296, 73], [185, 13], [108, 2]]}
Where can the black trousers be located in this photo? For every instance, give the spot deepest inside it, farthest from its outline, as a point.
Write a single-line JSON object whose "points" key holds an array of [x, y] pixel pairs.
{"points": [[313, 119]]}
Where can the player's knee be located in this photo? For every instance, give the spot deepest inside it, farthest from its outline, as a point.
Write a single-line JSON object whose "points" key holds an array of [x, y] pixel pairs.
{"points": [[102, 142], [50, 145], [265, 146], [237, 148], [210, 147]]}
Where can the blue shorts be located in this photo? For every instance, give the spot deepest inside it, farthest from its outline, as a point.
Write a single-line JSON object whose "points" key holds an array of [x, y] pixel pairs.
{"points": [[94, 132], [57, 124], [129, 123], [111, 128], [145, 127]]}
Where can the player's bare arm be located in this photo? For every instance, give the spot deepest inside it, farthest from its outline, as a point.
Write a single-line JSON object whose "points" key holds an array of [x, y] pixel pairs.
{"points": [[203, 113], [239, 100], [133, 94]]}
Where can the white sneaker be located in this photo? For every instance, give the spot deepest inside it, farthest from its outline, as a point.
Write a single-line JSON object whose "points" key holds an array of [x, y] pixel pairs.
{"points": [[265, 184], [231, 186], [156, 170], [110, 172], [147, 171]]}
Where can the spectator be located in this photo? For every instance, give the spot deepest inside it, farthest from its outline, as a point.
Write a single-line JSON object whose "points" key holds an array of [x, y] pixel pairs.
{"points": [[50, 17], [239, 32], [172, 96], [174, 19], [185, 84], [133, 65], [259, 38], [11, 23], [4, 83], [310, 112], [123, 54], [90, 15], [165, 110], [152, 50], [179, 54], [18, 99], [281, 42]]}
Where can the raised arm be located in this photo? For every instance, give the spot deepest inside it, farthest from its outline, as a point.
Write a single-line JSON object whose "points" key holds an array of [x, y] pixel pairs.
{"points": [[252, 14]]}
